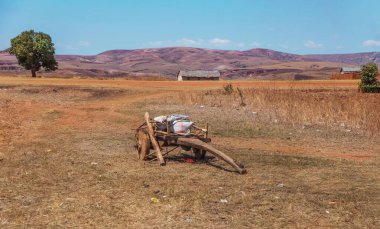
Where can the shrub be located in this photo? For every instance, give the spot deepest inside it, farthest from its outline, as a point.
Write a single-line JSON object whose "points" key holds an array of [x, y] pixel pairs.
{"points": [[370, 88], [369, 82], [228, 89]]}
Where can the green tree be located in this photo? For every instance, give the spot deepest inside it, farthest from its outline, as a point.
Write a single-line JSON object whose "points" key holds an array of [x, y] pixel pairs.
{"points": [[34, 50], [369, 73]]}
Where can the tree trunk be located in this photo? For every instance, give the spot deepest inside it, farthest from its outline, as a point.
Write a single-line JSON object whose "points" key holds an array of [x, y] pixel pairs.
{"points": [[34, 74]]}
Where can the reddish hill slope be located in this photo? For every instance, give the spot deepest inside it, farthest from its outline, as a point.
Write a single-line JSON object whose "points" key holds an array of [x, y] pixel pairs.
{"points": [[254, 63], [354, 58]]}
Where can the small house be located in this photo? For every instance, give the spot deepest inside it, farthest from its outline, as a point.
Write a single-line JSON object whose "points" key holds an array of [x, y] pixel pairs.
{"points": [[198, 75], [347, 73]]}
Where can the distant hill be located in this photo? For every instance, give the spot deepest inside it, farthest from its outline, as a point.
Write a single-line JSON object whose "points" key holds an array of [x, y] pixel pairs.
{"points": [[166, 62], [354, 58]]}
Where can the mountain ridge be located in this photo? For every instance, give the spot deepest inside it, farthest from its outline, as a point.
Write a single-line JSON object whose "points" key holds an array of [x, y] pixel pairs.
{"points": [[257, 63]]}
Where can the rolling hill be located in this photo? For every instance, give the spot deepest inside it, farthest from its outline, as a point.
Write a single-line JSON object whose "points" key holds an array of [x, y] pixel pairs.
{"points": [[166, 62]]}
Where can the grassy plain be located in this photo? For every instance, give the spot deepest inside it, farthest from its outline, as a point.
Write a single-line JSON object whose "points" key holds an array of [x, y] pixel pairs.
{"points": [[311, 149]]}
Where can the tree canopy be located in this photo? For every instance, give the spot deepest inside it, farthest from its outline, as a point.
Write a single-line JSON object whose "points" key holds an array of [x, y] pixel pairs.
{"points": [[34, 50], [369, 82], [369, 73]]}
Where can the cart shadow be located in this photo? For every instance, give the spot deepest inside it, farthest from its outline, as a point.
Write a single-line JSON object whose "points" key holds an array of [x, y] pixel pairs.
{"points": [[185, 158]]}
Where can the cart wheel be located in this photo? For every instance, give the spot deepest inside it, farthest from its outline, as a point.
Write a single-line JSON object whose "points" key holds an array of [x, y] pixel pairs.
{"points": [[143, 144], [199, 153]]}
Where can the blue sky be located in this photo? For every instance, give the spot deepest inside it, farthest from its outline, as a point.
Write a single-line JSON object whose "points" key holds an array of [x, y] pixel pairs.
{"points": [[295, 26]]}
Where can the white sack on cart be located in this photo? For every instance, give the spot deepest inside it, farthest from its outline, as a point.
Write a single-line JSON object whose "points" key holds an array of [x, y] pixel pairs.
{"points": [[160, 119], [173, 117], [181, 126], [178, 123]]}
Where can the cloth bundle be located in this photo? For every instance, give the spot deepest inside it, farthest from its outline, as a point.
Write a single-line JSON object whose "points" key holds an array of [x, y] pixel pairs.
{"points": [[177, 123]]}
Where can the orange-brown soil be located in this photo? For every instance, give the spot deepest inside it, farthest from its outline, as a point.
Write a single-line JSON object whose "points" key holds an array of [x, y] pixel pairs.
{"points": [[67, 160]]}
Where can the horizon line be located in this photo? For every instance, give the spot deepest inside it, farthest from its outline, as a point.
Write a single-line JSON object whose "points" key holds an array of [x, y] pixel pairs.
{"points": [[211, 49]]}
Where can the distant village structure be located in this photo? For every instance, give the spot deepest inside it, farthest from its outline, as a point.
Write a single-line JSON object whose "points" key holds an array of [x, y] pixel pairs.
{"points": [[198, 75], [347, 73]]}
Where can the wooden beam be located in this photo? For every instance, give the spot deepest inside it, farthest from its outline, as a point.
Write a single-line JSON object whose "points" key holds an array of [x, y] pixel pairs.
{"points": [[206, 130], [167, 126], [172, 134], [154, 141]]}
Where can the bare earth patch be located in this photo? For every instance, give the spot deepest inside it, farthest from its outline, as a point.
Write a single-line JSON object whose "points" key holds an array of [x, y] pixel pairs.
{"points": [[67, 160]]}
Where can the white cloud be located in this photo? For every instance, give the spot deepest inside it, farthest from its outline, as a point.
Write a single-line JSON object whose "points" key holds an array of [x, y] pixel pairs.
{"points": [[255, 44], [371, 43], [189, 42], [219, 42], [74, 47], [84, 43], [312, 44], [156, 43], [66, 47], [240, 44]]}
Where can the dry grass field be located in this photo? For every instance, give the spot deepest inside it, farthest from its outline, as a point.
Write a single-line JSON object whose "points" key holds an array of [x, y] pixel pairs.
{"points": [[67, 159]]}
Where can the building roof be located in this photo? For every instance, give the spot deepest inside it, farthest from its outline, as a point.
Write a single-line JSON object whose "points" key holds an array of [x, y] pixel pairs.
{"points": [[350, 69], [200, 73]]}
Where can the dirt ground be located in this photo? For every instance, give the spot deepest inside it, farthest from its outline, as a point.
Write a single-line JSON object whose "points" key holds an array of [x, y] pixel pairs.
{"points": [[67, 160]]}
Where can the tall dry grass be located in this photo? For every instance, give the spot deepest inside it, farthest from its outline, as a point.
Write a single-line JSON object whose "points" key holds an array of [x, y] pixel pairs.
{"points": [[330, 107]]}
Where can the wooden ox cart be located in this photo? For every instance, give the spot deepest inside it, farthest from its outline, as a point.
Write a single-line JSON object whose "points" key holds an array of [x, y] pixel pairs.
{"points": [[151, 136]]}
